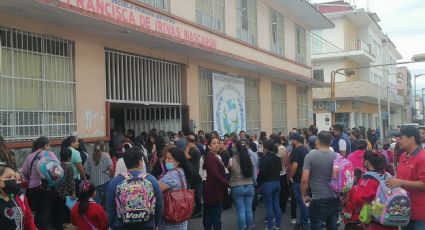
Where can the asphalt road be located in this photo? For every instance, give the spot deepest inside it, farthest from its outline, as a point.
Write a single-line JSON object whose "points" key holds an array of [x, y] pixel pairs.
{"points": [[229, 220]]}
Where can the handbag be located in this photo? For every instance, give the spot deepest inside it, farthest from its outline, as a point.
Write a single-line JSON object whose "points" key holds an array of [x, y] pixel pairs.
{"points": [[178, 204]]}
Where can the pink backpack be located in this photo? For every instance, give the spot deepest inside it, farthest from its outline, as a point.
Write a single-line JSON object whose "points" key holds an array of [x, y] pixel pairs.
{"points": [[392, 205], [342, 175]]}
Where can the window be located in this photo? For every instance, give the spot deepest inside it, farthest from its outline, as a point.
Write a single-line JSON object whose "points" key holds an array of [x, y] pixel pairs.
{"points": [[210, 13], [206, 117], [277, 38], [36, 86], [161, 4], [318, 74], [317, 42], [300, 45], [252, 106], [246, 11], [279, 113], [302, 107]]}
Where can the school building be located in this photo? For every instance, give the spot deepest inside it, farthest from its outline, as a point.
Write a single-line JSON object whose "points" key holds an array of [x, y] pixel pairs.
{"points": [[88, 66]]}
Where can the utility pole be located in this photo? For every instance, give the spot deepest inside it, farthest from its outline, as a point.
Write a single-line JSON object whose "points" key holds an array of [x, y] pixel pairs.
{"points": [[381, 134], [389, 108]]}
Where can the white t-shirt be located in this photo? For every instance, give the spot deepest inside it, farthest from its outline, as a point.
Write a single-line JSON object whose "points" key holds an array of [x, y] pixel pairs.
{"points": [[120, 168], [342, 145]]}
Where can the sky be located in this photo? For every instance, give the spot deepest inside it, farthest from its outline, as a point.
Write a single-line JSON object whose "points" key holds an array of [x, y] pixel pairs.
{"points": [[404, 22]]}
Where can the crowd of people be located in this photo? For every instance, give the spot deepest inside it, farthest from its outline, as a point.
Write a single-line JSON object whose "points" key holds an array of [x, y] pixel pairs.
{"points": [[131, 185]]}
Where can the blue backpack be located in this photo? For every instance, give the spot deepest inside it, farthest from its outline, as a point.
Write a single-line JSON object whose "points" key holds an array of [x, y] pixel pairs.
{"points": [[50, 170]]}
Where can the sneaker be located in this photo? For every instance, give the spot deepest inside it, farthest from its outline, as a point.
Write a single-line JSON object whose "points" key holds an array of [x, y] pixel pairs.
{"points": [[293, 221], [264, 220], [276, 228], [299, 227], [196, 215]]}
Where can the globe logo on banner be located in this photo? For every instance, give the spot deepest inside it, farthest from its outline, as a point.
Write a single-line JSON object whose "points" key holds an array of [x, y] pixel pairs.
{"points": [[229, 104]]}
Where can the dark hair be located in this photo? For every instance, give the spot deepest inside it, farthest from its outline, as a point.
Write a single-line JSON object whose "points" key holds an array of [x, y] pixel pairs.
{"points": [[81, 146], [39, 143], [159, 145], [6, 155], [338, 127], [361, 144], [179, 156], [132, 157], [386, 146], [356, 133], [3, 168], [244, 160], [313, 129], [324, 138], [263, 136], [131, 131], [270, 146], [65, 154], [411, 131], [86, 191], [377, 159], [99, 147], [68, 141]]}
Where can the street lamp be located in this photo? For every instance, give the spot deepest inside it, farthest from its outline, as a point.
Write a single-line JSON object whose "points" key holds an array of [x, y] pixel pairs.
{"points": [[350, 71]]}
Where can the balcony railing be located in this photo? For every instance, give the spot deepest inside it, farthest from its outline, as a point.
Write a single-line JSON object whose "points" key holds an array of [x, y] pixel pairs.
{"points": [[357, 45]]}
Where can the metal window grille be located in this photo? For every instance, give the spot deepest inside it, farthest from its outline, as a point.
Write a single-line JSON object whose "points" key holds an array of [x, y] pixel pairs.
{"points": [[246, 11], [300, 45], [302, 107], [279, 107], [277, 34], [140, 80], [161, 4], [36, 86], [252, 101], [205, 100], [210, 13], [144, 118]]}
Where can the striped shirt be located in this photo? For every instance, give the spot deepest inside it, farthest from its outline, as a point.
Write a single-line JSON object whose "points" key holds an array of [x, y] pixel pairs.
{"points": [[99, 174]]}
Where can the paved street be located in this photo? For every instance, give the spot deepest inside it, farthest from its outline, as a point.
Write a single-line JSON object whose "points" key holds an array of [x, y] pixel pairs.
{"points": [[230, 222]]}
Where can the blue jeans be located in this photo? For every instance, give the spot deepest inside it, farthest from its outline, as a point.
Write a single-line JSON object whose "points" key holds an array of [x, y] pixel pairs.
{"points": [[271, 191], [415, 225], [296, 188], [324, 211], [101, 194], [212, 217], [243, 196]]}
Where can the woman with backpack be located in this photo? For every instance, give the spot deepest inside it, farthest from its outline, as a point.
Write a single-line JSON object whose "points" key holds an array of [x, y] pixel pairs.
{"points": [[40, 197], [72, 143], [15, 211], [364, 193], [99, 167], [86, 214], [241, 168], [178, 176]]}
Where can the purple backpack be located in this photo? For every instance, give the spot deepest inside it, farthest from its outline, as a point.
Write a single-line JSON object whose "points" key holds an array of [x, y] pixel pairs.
{"points": [[342, 175]]}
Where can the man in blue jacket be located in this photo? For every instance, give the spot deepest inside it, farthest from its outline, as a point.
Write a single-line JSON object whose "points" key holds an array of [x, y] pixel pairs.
{"points": [[133, 159]]}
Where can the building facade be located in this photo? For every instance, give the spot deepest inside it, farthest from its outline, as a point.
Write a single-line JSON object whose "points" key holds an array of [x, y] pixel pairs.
{"points": [[404, 88], [355, 43], [88, 66]]}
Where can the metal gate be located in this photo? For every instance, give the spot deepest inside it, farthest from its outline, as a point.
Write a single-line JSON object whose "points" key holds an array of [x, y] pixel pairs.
{"points": [[152, 87]]}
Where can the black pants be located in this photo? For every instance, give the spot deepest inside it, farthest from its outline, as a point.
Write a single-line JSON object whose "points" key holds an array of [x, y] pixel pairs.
{"points": [[198, 196], [41, 202], [60, 212], [284, 192], [293, 205]]}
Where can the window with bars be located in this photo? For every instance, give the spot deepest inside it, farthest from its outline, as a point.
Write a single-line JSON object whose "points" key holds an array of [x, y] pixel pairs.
{"points": [[277, 28], [210, 13], [205, 100], [246, 11], [300, 45], [279, 108], [252, 106], [252, 102], [302, 107], [160, 4], [37, 86]]}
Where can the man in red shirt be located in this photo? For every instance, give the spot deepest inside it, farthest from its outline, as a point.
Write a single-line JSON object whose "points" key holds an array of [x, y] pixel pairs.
{"points": [[411, 175]]}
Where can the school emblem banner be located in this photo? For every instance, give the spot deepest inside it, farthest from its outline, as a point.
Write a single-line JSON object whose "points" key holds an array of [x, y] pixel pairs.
{"points": [[229, 104]]}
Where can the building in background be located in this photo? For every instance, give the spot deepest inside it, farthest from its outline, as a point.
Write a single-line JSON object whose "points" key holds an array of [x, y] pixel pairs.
{"points": [[90, 66], [404, 89], [356, 41]]}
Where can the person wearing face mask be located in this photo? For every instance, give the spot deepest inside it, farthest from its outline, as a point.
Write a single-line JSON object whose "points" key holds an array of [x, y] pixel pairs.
{"points": [[179, 176], [15, 212]]}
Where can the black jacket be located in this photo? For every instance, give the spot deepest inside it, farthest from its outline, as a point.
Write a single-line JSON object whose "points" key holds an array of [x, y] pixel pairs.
{"points": [[269, 169]]}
